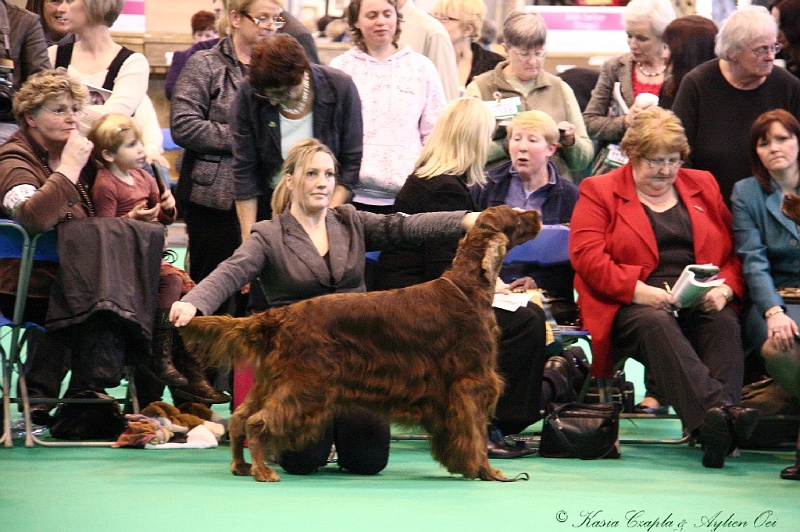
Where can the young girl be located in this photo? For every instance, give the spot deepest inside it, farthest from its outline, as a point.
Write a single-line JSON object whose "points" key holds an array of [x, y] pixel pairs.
{"points": [[123, 188]]}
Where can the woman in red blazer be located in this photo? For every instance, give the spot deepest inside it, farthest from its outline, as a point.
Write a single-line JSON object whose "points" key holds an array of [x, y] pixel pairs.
{"points": [[633, 231]]}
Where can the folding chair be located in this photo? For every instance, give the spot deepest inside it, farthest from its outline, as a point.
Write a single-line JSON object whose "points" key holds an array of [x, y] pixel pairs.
{"points": [[551, 247], [16, 243]]}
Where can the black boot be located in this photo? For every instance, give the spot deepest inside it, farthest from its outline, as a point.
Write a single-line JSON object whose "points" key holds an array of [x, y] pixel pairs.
{"points": [[723, 427], [160, 366], [198, 390], [498, 447], [792, 472]]}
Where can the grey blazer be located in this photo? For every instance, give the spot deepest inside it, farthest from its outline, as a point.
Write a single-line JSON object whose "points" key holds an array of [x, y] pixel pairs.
{"points": [[601, 124], [199, 116]]}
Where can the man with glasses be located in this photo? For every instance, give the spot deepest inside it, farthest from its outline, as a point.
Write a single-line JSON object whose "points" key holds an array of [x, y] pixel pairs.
{"points": [[720, 99]]}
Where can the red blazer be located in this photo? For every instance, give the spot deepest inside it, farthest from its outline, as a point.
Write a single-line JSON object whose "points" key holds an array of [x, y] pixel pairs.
{"points": [[612, 245]]}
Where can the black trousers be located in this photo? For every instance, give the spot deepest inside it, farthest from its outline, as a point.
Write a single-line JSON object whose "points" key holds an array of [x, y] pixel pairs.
{"points": [[696, 359], [362, 446], [521, 359], [213, 237]]}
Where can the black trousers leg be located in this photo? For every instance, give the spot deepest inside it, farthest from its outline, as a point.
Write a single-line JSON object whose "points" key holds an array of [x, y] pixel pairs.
{"points": [[695, 359], [362, 441], [521, 360]]}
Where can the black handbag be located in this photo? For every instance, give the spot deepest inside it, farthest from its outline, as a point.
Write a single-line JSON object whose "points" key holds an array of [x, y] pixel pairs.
{"points": [[576, 430]]}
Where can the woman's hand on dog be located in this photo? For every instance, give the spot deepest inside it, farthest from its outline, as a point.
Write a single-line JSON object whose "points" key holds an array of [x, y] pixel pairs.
{"points": [[182, 313]]}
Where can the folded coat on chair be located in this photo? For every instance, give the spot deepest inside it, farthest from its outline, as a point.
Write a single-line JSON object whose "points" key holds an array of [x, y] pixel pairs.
{"points": [[107, 264]]}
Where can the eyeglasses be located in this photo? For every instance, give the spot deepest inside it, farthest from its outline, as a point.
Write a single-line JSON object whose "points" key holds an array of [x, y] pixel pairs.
{"points": [[660, 163], [445, 18], [263, 22], [63, 111], [764, 50], [527, 54]]}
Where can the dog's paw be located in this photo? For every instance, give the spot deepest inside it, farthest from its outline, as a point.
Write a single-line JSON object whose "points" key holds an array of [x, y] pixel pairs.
{"points": [[264, 474], [241, 469], [490, 473]]}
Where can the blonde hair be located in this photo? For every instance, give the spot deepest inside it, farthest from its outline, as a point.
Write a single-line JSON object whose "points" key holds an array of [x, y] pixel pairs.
{"points": [[655, 130], [299, 156], [108, 134], [459, 142], [104, 12], [46, 86], [466, 11], [537, 121]]}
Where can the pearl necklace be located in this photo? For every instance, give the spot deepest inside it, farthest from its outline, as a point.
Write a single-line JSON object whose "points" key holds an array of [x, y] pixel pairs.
{"points": [[651, 74], [300, 107]]}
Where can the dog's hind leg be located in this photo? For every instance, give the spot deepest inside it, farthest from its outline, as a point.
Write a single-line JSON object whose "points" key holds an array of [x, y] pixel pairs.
{"points": [[257, 437], [236, 432]]}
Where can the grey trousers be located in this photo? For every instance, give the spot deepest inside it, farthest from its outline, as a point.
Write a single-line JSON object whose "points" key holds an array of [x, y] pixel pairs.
{"points": [[696, 359]]}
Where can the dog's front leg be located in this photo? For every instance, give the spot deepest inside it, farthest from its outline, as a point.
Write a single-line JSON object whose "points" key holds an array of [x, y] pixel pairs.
{"points": [[236, 433]]}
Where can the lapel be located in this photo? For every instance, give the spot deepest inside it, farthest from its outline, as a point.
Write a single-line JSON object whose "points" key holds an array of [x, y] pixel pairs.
{"points": [[267, 115], [631, 212], [773, 203], [298, 244]]}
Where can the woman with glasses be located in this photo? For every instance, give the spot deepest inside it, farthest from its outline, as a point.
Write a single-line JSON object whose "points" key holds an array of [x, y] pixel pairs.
{"points": [[521, 84], [46, 173], [742, 83], [401, 97], [463, 20], [632, 233], [642, 70], [200, 107], [766, 240]]}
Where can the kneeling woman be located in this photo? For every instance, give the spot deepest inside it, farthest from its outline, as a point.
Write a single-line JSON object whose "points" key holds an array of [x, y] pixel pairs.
{"points": [[635, 229], [308, 249]]}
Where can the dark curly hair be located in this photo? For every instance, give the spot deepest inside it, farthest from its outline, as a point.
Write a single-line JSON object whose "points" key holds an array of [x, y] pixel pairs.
{"points": [[277, 62], [356, 37]]}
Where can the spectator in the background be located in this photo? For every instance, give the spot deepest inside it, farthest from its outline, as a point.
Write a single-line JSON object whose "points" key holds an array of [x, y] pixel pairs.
{"points": [[29, 55], [52, 22], [204, 26], [401, 98], [690, 42], [291, 26], [522, 83], [463, 20], [741, 84], [643, 70], [426, 35], [787, 13]]}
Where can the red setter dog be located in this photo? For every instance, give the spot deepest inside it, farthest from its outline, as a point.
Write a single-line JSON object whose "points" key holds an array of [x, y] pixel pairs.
{"points": [[421, 356]]}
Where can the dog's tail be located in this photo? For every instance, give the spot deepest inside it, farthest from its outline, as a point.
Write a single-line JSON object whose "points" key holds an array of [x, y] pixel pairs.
{"points": [[219, 340]]}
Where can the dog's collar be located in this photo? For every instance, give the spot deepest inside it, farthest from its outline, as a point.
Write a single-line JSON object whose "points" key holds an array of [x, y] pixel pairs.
{"points": [[455, 286]]}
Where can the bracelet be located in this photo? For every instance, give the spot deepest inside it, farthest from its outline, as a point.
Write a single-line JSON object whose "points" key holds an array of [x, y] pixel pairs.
{"points": [[768, 315]]}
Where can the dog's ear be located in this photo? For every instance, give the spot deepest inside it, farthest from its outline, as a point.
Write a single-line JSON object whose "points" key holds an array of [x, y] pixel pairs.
{"points": [[790, 206], [493, 256]]}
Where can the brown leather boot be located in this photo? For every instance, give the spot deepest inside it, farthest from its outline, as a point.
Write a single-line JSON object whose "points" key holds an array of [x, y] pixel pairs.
{"points": [[160, 366], [198, 390]]}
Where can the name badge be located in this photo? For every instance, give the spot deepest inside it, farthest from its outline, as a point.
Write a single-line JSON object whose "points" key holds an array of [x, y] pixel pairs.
{"points": [[504, 108]]}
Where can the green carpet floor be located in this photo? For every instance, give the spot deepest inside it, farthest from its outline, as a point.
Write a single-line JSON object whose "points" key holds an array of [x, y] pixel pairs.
{"points": [[88, 489]]}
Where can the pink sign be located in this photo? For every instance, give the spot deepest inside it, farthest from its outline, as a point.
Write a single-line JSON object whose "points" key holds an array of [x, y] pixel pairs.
{"points": [[583, 20], [133, 7]]}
